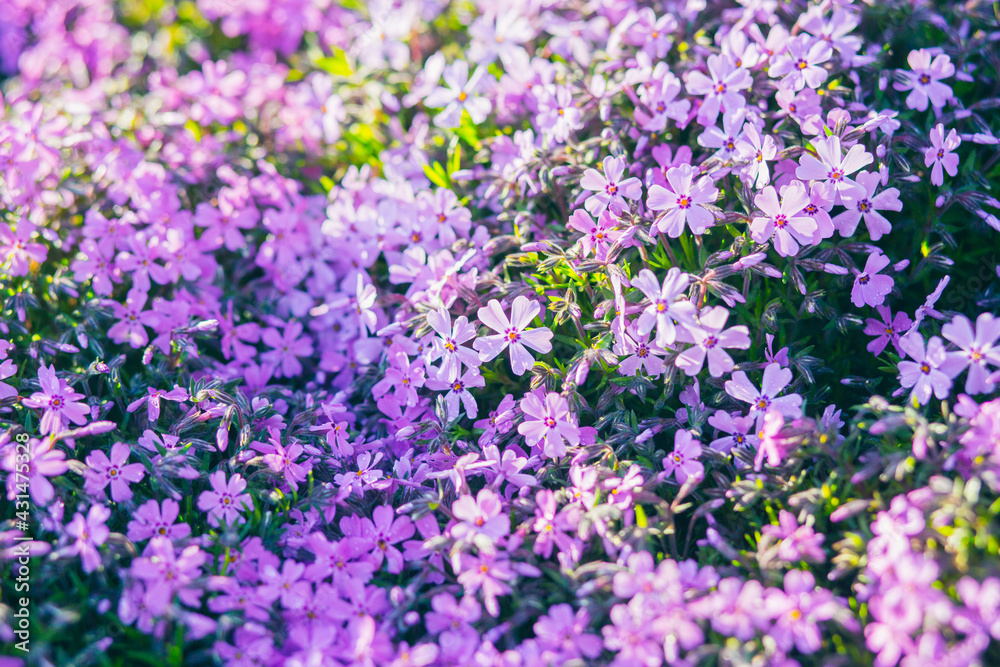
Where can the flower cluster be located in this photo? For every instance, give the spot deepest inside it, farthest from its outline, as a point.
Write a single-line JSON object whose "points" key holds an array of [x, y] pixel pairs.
{"points": [[412, 332]]}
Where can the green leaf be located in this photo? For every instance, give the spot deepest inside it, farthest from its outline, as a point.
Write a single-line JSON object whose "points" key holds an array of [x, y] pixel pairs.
{"points": [[436, 175], [336, 64]]}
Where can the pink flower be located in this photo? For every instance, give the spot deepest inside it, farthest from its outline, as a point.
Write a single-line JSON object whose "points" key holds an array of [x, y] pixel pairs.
{"points": [[941, 155], [364, 301], [862, 202], [799, 65], [152, 519], [641, 353], [513, 333], [785, 221], [565, 631], [931, 370], [402, 376], [721, 87], [797, 542], [287, 347], [132, 319], [60, 404], [152, 400], [886, 331], [710, 340], [448, 346], [463, 93], [285, 460], [43, 461], [665, 306], [683, 462], [682, 202], [226, 499], [549, 423], [610, 190], [739, 432], [458, 395], [483, 515], [285, 585], [977, 347], [89, 533], [103, 471], [597, 237], [17, 251], [489, 573], [166, 573], [385, 532], [924, 82], [869, 286], [774, 381], [756, 150], [832, 166]]}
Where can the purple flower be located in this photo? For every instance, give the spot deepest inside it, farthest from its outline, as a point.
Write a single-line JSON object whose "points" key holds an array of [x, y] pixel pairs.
{"points": [[152, 401], [799, 65], [785, 221], [103, 471], [152, 519], [737, 608], [631, 638], [500, 421], [403, 377], [682, 202], [226, 499], [132, 319], [463, 93], [977, 347], [43, 461], [564, 630], [739, 429], [17, 249], [924, 82], [448, 346], [797, 611], [458, 395], [641, 353], [513, 333], [721, 87], [832, 167], [862, 202], [683, 462], [88, 533], [480, 516], [886, 331], [60, 404], [796, 542], [775, 380], [287, 347], [489, 573], [710, 339], [599, 237], [610, 190], [756, 150], [931, 370], [665, 306], [385, 532], [941, 155], [869, 286], [548, 422], [166, 573], [771, 445], [284, 585]]}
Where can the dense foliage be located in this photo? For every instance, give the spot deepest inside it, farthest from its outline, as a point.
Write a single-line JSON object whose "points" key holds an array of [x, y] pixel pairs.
{"points": [[416, 332]]}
